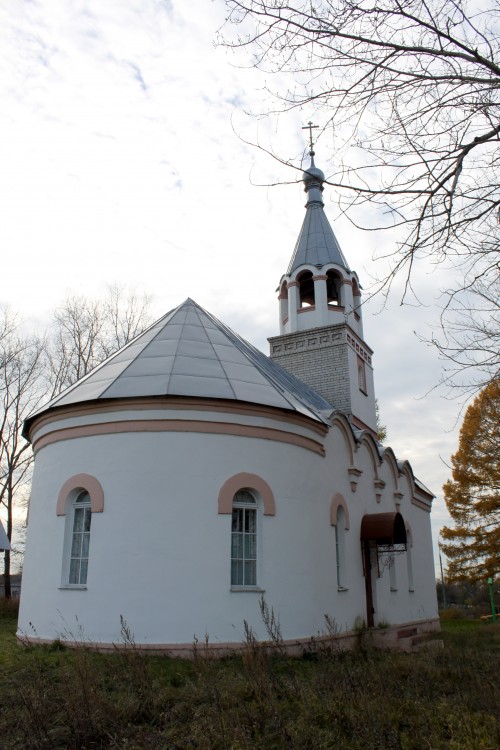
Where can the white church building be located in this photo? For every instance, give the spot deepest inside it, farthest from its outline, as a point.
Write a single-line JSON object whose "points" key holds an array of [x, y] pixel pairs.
{"points": [[189, 477]]}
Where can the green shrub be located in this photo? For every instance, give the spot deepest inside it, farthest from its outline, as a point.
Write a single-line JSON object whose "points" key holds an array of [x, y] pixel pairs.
{"points": [[452, 613]]}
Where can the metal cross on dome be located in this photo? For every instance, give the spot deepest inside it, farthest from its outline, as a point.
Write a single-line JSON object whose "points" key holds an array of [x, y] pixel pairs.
{"points": [[310, 127]]}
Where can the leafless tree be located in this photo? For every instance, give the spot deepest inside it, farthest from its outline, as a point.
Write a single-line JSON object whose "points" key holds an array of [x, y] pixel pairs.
{"points": [[86, 331], [468, 341], [83, 333], [412, 89], [21, 370]]}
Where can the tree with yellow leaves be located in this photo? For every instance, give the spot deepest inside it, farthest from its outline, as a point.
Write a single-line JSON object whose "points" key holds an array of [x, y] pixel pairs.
{"points": [[472, 546]]}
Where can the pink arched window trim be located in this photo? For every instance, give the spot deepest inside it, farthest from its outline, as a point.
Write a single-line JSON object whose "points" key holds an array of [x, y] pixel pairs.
{"points": [[81, 482]]}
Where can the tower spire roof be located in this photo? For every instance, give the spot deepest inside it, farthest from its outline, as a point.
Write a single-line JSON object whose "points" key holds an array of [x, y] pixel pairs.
{"points": [[316, 244]]}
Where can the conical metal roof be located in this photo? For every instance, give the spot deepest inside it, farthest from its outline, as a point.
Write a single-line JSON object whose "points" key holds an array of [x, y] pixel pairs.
{"points": [[316, 244], [188, 352]]}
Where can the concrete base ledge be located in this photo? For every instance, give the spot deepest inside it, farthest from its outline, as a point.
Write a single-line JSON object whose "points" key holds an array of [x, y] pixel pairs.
{"points": [[405, 636]]}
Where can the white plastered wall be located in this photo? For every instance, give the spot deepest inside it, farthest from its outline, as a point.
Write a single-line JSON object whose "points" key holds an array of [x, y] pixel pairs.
{"points": [[159, 552]]}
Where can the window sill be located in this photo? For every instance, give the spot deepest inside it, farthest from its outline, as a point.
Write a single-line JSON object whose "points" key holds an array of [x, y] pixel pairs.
{"points": [[72, 587], [342, 588], [251, 589]]}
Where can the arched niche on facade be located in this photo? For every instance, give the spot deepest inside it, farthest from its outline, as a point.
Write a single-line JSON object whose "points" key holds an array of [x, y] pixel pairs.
{"points": [[338, 501], [390, 460], [368, 442], [407, 473], [345, 429]]}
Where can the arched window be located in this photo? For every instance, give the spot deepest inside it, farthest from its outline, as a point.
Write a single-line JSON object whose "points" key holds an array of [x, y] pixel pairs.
{"points": [[333, 286], [306, 289], [80, 539], [340, 547], [79, 498], [244, 539]]}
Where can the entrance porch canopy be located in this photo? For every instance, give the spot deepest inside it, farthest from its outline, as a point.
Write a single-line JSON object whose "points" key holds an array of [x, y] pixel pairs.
{"points": [[385, 529]]}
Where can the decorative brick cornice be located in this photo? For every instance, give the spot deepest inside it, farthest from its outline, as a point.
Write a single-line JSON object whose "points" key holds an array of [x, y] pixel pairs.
{"points": [[316, 338], [359, 347]]}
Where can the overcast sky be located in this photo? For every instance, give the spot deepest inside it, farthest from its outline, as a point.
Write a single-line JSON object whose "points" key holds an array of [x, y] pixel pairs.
{"points": [[122, 161]]}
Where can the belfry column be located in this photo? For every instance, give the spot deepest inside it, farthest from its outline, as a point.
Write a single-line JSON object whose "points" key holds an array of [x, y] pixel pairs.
{"points": [[321, 299], [293, 304]]}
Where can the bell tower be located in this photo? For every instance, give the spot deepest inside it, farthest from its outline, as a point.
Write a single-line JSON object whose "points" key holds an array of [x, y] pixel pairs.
{"points": [[321, 318]]}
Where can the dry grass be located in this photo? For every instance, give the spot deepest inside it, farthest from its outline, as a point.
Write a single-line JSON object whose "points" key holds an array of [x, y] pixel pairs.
{"points": [[53, 698]]}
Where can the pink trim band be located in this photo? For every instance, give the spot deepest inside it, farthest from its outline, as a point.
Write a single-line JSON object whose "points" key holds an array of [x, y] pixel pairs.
{"points": [[168, 403], [179, 425], [243, 481]]}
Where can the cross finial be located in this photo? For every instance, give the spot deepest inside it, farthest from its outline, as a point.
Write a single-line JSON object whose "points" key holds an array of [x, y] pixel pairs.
{"points": [[310, 127]]}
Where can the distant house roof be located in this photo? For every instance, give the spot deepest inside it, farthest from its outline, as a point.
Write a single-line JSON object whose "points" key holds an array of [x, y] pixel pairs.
{"points": [[188, 352], [4, 539]]}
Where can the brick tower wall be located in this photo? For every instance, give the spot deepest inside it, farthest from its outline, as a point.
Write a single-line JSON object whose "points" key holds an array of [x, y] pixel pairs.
{"points": [[319, 357]]}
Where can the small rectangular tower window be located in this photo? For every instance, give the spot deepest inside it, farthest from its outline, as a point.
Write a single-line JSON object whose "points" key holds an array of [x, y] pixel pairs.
{"points": [[361, 376]]}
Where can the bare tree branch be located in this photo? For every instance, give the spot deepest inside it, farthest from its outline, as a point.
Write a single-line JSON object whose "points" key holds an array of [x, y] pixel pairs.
{"points": [[85, 332], [21, 391], [412, 89]]}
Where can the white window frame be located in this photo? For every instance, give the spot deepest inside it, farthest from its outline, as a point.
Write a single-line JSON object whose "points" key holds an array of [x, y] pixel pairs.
{"points": [[77, 540], [246, 505]]}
